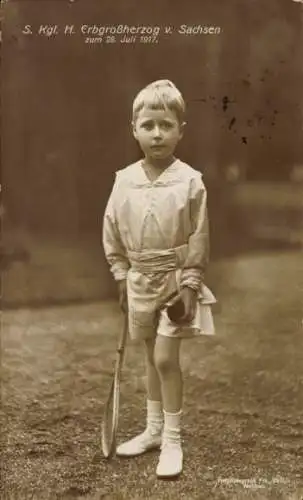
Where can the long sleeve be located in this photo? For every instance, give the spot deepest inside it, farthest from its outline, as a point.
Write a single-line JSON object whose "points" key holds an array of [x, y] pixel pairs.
{"points": [[198, 243], [114, 249]]}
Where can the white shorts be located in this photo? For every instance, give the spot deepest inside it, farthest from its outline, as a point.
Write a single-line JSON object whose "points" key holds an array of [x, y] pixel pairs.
{"points": [[202, 324], [146, 315]]}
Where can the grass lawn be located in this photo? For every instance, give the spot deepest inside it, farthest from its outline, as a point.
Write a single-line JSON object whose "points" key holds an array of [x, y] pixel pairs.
{"points": [[243, 425]]}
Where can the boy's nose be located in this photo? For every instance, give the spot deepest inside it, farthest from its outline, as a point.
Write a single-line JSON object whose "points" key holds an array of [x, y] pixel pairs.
{"points": [[157, 131]]}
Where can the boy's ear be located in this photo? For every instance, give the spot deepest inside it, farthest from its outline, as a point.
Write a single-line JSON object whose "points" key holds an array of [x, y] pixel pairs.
{"points": [[134, 130], [182, 128]]}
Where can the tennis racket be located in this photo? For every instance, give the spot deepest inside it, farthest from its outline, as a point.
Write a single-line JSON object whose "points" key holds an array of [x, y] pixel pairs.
{"points": [[110, 419]]}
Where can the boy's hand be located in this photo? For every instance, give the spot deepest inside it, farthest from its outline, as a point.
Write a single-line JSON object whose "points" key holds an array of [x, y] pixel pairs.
{"points": [[122, 287], [189, 297]]}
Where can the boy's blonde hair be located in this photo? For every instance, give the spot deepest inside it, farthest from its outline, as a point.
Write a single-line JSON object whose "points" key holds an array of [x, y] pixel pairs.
{"points": [[161, 94]]}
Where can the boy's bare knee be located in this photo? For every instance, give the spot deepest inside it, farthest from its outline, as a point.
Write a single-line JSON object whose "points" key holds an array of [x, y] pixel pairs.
{"points": [[149, 351], [165, 363], [166, 355]]}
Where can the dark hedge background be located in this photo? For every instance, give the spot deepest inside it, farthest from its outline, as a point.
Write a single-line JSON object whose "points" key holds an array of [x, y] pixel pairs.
{"points": [[66, 124]]}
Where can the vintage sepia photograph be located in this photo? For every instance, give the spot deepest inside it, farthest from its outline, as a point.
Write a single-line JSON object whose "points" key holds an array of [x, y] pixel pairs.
{"points": [[151, 250]]}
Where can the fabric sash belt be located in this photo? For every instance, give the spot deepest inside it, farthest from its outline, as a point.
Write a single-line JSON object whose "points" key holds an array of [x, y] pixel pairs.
{"points": [[149, 261]]}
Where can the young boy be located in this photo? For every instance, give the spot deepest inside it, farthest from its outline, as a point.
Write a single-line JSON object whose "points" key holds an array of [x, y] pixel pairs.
{"points": [[156, 240]]}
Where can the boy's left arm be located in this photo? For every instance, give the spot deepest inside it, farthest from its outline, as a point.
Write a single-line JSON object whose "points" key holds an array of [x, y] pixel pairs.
{"points": [[195, 264], [198, 243]]}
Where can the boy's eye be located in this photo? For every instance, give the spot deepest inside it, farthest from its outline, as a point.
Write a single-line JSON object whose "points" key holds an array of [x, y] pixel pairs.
{"points": [[147, 125], [167, 125], [164, 125]]}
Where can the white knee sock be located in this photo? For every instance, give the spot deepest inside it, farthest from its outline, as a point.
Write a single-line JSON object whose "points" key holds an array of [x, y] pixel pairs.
{"points": [[154, 417], [172, 428]]}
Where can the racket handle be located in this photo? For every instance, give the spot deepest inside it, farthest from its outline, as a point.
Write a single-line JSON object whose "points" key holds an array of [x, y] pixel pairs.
{"points": [[121, 345]]}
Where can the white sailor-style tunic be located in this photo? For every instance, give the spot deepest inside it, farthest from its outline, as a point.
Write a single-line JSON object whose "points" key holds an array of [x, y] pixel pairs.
{"points": [[156, 235]]}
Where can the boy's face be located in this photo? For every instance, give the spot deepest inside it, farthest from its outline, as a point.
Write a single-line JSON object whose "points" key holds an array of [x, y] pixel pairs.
{"points": [[158, 132]]}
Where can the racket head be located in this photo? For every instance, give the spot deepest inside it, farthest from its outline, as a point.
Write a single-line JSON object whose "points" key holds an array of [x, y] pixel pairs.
{"points": [[109, 425]]}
